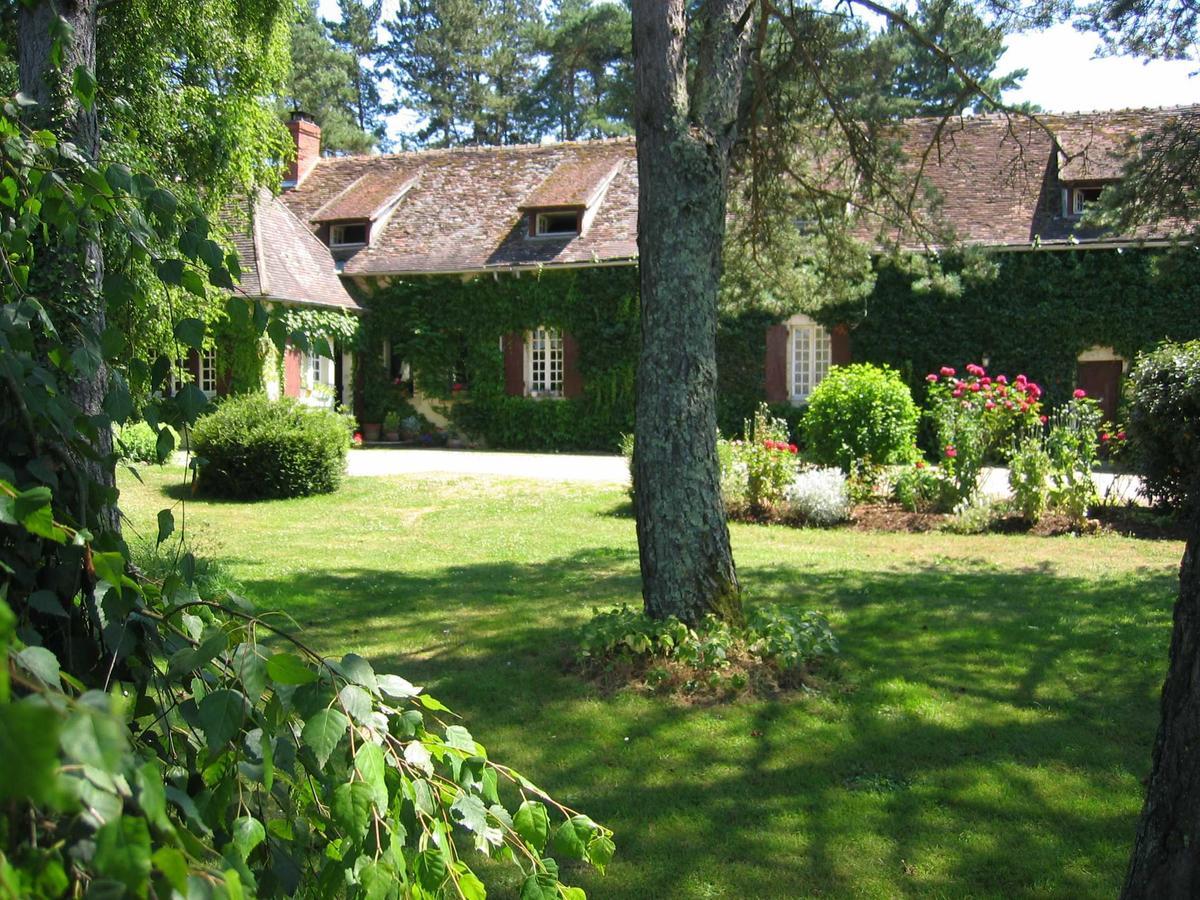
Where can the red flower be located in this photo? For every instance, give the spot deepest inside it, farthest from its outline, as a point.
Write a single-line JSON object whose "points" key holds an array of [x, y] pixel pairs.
{"points": [[1104, 436], [1043, 419], [989, 405], [947, 371], [975, 370], [457, 386], [931, 378], [975, 387], [1079, 394], [792, 448], [920, 463], [1120, 435], [950, 451], [1002, 379]]}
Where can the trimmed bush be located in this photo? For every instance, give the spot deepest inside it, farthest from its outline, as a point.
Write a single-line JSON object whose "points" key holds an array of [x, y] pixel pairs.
{"points": [[138, 442], [253, 448], [1164, 422], [861, 412]]}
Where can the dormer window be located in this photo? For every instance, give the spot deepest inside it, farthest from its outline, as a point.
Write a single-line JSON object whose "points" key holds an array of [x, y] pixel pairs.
{"points": [[348, 234], [1077, 200], [556, 224]]}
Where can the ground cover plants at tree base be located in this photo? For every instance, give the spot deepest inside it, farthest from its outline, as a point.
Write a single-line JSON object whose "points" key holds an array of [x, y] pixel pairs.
{"points": [[775, 649], [153, 744]]}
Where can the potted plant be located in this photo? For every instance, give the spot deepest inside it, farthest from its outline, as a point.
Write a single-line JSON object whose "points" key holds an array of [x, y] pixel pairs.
{"points": [[410, 427], [371, 432], [391, 426]]}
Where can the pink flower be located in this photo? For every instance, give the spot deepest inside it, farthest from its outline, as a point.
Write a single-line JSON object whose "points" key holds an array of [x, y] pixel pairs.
{"points": [[1035, 391], [987, 379], [950, 451], [1043, 419], [1002, 379], [957, 392], [947, 371], [975, 370], [975, 387], [931, 378], [1120, 435], [792, 448], [989, 405], [1079, 394], [1104, 437]]}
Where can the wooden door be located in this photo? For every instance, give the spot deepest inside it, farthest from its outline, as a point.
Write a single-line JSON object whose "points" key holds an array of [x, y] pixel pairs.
{"points": [[1102, 381]]}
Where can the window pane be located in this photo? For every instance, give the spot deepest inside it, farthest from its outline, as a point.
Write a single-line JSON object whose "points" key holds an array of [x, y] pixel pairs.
{"points": [[545, 361]]}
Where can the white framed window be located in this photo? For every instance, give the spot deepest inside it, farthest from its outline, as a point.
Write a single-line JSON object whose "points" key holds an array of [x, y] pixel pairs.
{"points": [[207, 380], [556, 224], [348, 234], [544, 363], [1082, 198], [810, 352]]}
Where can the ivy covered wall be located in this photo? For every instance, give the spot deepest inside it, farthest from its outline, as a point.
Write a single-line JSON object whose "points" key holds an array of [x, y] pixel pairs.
{"points": [[1031, 312], [448, 330]]}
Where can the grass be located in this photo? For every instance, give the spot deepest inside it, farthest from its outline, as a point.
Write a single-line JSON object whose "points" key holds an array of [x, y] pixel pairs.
{"points": [[988, 738]]}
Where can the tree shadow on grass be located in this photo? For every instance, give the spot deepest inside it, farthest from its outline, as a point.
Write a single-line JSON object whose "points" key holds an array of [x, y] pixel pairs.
{"points": [[987, 740]]}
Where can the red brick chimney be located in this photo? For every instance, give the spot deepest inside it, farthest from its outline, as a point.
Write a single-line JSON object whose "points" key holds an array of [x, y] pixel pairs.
{"points": [[306, 134]]}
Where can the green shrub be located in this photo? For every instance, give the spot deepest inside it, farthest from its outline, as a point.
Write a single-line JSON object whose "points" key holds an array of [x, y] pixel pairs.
{"points": [[773, 648], [860, 412], [1028, 469], [138, 442], [1074, 448], [252, 448], [924, 488], [1164, 422]]}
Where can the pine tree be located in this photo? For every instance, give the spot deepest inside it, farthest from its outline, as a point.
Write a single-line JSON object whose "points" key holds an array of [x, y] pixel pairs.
{"points": [[465, 68], [356, 33], [322, 84]]}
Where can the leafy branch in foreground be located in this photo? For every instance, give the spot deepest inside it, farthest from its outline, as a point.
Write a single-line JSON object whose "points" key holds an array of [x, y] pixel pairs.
{"points": [[152, 744]]}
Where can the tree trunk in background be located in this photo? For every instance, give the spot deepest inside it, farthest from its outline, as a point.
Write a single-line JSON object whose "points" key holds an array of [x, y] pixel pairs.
{"points": [[1166, 852], [81, 275], [683, 151]]}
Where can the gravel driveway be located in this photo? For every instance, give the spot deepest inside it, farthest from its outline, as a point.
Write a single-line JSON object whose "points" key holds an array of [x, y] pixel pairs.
{"points": [[544, 466]]}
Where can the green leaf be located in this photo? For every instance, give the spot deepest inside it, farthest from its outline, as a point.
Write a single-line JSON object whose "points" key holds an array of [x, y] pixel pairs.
{"points": [[109, 567], [372, 768], [251, 669], [567, 843], [174, 867], [540, 886], [221, 716], [287, 668], [356, 702], [8, 192], [191, 402], [123, 853], [430, 868], [191, 332], [166, 524], [170, 271], [248, 833], [151, 797], [430, 703], [357, 670], [460, 739], [351, 808], [194, 283], [164, 445], [83, 86], [31, 508], [470, 887], [42, 663], [119, 178], [29, 748], [323, 731], [600, 850], [47, 602], [532, 823], [395, 686]]}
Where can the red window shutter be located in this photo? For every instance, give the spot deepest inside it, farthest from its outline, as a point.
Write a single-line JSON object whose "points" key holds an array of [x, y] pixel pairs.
{"points": [[192, 365], [776, 364], [291, 372], [572, 380], [839, 351], [514, 364]]}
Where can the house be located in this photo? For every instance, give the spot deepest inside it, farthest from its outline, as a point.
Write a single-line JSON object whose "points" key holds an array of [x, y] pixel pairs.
{"points": [[285, 266], [499, 283]]}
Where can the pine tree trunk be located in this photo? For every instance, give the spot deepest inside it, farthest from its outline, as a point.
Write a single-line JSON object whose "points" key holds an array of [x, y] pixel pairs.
{"points": [[683, 150], [1166, 853]]}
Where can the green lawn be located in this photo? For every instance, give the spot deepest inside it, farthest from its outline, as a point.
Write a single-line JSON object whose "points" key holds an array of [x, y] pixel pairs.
{"points": [[988, 738]]}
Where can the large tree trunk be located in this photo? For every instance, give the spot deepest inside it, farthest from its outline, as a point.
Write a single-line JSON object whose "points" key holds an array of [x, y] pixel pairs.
{"points": [[1166, 852], [80, 276], [683, 149]]}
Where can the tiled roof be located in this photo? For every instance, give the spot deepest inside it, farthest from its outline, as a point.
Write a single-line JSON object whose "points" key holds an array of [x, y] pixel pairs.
{"points": [[573, 183], [990, 180], [281, 258], [367, 198], [463, 211], [998, 181]]}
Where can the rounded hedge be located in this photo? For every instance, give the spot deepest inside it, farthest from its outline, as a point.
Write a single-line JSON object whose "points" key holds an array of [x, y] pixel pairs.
{"points": [[860, 412], [1164, 422], [251, 448]]}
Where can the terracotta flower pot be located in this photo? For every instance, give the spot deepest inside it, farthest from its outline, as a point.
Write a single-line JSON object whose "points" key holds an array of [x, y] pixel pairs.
{"points": [[370, 431]]}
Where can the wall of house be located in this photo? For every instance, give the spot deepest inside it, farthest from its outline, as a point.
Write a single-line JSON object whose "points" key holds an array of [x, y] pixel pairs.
{"points": [[1031, 312]]}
